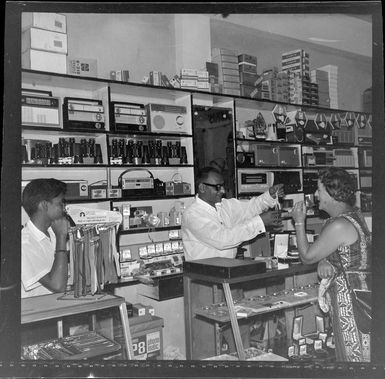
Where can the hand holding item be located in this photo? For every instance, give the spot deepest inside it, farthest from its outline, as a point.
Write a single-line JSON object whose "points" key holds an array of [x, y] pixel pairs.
{"points": [[299, 212], [60, 227], [325, 269], [272, 218], [275, 190]]}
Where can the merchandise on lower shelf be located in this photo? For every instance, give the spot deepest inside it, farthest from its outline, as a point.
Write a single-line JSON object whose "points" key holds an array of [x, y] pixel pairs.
{"points": [[80, 346]]}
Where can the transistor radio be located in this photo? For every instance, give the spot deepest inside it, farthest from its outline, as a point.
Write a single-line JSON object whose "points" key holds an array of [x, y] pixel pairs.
{"points": [[254, 181], [245, 159], [39, 108], [128, 117], [177, 189], [257, 181], [164, 118], [81, 113], [140, 186]]}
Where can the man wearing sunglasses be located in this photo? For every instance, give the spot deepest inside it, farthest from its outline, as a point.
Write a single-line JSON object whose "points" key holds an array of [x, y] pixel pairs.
{"points": [[214, 227]]}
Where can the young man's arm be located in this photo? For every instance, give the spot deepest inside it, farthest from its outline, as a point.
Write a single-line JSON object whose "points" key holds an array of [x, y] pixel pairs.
{"points": [[56, 279]]}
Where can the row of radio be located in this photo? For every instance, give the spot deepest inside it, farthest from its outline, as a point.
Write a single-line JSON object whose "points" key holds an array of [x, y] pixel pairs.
{"points": [[40, 108], [251, 181], [262, 154]]}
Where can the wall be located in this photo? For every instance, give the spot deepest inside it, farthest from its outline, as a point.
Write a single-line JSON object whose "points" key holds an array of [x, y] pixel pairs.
{"points": [[145, 42], [137, 42], [354, 71]]}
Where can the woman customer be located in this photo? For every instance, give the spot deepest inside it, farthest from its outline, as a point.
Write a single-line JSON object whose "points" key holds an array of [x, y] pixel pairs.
{"points": [[343, 250]]}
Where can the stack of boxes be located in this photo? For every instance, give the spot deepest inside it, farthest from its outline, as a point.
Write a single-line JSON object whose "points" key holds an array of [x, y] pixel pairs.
{"points": [[283, 93], [296, 64], [44, 42], [247, 65], [326, 78], [267, 84], [228, 73], [320, 78], [314, 99], [274, 85], [213, 73], [332, 75], [367, 100], [194, 79]]}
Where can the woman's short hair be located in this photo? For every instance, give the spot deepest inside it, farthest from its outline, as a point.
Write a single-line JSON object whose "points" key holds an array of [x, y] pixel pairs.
{"points": [[38, 190], [340, 184]]}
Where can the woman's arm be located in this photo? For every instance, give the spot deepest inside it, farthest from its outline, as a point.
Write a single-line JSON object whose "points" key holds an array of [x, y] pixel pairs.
{"points": [[337, 233]]}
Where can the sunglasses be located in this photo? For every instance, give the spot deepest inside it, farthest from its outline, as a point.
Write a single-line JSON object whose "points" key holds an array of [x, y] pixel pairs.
{"points": [[218, 187]]}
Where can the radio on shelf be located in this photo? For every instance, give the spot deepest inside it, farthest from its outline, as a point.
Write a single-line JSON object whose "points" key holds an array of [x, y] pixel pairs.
{"points": [[79, 113], [257, 181], [39, 108], [164, 118], [128, 117]]}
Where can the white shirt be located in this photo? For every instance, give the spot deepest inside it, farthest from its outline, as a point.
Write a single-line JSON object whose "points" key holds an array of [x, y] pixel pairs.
{"points": [[216, 232], [37, 256]]}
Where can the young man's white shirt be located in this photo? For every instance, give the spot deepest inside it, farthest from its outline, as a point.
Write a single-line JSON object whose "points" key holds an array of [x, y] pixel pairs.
{"points": [[37, 257]]}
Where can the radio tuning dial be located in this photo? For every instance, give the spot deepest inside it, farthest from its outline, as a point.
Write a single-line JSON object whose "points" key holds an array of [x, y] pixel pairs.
{"points": [[180, 120]]}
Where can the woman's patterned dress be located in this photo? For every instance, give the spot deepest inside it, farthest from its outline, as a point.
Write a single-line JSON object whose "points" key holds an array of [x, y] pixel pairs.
{"points": [[351, 344]]}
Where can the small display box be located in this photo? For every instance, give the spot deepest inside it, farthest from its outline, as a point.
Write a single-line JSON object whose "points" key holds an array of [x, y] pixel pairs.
{"points": [[147, 337]]}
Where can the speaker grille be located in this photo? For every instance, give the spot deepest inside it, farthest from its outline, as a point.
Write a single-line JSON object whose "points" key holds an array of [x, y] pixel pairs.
{"points": [[158, 122]]}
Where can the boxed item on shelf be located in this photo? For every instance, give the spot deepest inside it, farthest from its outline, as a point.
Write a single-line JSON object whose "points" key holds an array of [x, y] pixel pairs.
{"points": [[44, 61], [120, 75], [147, 337], [49, 21], [83, 67], [40, 39]]}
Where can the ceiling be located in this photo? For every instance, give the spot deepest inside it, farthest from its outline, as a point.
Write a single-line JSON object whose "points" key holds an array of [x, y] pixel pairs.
{"points": [[344, 32]]}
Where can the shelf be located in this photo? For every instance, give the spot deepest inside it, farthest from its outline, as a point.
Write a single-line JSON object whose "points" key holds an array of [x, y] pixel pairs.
{"points": [[151, 135], [46, 307], [323, 167], [126, 166], [135, 198], [49, 130], [53, 79], [80, 165], [271, 167], [258, 305], [88, 83], [148, 230], [267, 142], [292, 270]]}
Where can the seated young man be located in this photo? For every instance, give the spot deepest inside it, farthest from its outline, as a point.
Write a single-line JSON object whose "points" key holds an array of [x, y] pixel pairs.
{"points": [[44, 263]]}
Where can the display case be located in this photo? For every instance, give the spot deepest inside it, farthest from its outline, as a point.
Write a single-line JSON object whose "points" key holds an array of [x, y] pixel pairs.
{"points": [[207, 310], [78, 346]]}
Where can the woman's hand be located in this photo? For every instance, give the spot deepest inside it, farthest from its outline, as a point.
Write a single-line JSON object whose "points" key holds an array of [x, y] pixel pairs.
{"points": [[299, 212], [325, 269]]}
